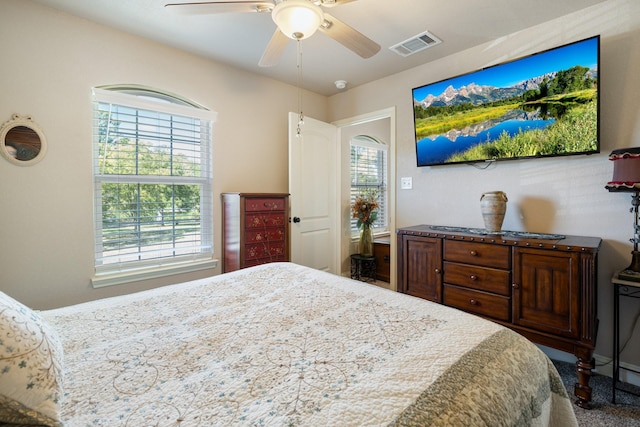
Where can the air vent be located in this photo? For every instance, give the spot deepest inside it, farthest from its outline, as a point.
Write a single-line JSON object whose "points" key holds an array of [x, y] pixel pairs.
{"points": [[415, 44]]}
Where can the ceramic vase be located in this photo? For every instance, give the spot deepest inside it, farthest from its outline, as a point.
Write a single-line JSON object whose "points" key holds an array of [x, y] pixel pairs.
{"points": [[493, 205], [366, 240]]}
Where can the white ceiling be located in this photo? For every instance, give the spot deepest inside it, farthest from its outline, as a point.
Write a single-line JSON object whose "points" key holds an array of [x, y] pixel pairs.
{"points": [[239, 39]]}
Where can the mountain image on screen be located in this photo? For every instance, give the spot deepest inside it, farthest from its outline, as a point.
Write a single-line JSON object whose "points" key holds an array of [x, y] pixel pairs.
{"points": [[538, 106]]}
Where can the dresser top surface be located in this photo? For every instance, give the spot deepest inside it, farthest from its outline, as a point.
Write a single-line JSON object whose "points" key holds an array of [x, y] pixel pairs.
{"points": [[505, 237], [240, 194]]}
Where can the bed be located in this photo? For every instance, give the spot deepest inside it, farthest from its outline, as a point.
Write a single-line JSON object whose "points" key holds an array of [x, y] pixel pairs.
{"points": [[273, 345]]}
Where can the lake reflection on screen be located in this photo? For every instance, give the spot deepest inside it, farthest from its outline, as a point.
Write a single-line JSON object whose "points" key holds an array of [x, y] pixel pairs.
{"points": [[438, 149]]}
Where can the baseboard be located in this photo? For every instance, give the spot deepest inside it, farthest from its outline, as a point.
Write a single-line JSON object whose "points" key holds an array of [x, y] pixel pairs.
{"points": [[604, 365]]}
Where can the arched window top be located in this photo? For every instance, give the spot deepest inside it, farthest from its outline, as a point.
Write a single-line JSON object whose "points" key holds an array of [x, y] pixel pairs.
{"points": [[152, 94], [152, 99], [369, 141]]}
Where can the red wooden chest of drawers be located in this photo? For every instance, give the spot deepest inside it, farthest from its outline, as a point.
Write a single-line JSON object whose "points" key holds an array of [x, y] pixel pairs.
{"points": [[255, 229]]}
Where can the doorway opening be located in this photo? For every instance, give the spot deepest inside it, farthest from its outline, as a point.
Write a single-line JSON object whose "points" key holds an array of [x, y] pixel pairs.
{"points": [[381, 126]]}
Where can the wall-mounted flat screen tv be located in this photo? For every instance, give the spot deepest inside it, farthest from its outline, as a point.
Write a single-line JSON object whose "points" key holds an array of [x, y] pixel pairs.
{"points": [[542, 105]]}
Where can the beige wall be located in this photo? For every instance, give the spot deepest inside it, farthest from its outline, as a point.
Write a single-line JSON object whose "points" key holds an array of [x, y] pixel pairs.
{"points": [[562, 195], [50, 61]]}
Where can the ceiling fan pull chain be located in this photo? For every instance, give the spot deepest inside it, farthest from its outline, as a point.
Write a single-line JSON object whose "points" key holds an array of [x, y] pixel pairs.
{"points": [[301, 115]]}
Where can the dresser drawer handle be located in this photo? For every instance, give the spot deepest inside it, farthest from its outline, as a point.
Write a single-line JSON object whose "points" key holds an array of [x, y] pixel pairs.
{"points": [[473, 277], [437, 270], [473, 253], [473, 302]]}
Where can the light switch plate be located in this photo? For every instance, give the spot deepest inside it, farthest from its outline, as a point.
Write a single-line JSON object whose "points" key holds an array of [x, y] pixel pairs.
{"points": [[406, 183]]}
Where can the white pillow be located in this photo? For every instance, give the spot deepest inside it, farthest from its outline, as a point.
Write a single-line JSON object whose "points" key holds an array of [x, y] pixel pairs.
{"points": [[30, 367]]}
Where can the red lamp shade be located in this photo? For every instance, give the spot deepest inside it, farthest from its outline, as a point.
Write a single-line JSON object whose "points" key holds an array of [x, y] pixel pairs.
{"points": [[626, 170]]}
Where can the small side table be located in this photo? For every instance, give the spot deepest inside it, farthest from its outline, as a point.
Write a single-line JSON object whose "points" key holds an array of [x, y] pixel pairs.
{"points": [[363, 268], [621, 288]]}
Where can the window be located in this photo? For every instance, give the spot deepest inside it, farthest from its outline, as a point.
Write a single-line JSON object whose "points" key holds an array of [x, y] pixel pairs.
{"points": [[152, 181], [369, 173]]}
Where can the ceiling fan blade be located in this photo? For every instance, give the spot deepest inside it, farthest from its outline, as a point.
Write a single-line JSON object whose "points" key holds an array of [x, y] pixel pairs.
{"points": [[332, 3], [349, 37], [210, 7], [274, 49]]}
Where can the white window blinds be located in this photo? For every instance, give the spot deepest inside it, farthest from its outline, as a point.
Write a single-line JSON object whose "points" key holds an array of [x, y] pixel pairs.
{"points": [[369, 172], [152, 182]]}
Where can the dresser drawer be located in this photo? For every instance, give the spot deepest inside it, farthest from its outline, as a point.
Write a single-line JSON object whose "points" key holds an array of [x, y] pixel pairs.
{"points": [[268, 235], [260, 261], [484, 254], [264, 204], [481, 278], [261, 220], [478, 302], [264, 250]]}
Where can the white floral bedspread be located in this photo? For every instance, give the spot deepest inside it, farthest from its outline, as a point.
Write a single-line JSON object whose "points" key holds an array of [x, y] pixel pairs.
{"points": [[284, 345]]}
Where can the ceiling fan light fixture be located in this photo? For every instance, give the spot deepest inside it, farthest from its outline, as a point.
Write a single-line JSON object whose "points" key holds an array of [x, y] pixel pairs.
{"points": [[297, 19]]}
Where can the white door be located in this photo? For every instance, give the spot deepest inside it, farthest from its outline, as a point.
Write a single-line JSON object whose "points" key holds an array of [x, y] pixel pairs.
{"points": [[313, 169]]}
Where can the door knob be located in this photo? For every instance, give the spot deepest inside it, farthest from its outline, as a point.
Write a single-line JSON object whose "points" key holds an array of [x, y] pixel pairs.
{"points": [[296, 219]]}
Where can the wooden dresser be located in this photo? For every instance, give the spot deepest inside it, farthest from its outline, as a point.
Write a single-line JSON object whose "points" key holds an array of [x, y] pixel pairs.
{"points": [[255, 229], [542, 286], [381, 251]]}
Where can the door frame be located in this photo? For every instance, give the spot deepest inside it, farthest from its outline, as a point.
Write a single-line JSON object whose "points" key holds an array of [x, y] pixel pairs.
{"points": [[386, 113]]}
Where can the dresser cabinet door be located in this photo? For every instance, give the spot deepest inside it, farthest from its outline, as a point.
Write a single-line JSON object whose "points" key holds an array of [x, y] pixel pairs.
{"points": [[422, 267], [546, 291], [381, 251]]}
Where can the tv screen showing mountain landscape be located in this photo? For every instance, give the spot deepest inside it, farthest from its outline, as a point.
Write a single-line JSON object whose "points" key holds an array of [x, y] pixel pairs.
{"points": [[541, 105]]}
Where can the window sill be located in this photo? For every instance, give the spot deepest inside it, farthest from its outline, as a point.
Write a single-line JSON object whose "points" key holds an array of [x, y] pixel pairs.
{"points": [[112, 279]]}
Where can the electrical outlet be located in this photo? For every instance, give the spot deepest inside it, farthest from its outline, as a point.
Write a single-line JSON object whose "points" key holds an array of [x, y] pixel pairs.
{"points": [[406, 183]]}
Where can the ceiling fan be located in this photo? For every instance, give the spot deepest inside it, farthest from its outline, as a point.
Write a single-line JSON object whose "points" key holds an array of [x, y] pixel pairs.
{"points": [[296, 19]]}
